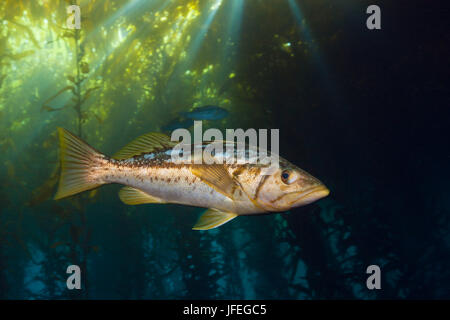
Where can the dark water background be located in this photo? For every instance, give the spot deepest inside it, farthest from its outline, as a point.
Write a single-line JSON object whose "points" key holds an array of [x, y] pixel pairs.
{"points": [[364, 111]]}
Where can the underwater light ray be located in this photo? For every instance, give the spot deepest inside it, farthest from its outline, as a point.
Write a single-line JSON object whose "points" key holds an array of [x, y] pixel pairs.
{"points": [[235, 18], [165, 4], [306, 32], [195, 45], [232, 36], [317, 56], [128, 8], [131, 6], [200, 37], [37, 119]]}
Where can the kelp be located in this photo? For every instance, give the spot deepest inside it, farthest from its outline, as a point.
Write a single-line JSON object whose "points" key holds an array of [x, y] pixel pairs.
{"points": [[133, 67]]}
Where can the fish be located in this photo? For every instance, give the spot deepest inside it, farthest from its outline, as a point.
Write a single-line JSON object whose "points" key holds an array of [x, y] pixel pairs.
{"points": [[206, 113], [177, 124], [151, 175]]}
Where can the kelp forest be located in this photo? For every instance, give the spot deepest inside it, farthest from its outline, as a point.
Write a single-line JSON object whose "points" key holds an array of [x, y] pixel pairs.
{"points": [[355, 108]]}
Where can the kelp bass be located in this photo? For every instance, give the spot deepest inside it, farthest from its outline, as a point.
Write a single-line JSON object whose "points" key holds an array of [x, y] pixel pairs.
{"points": [[150, 175]]}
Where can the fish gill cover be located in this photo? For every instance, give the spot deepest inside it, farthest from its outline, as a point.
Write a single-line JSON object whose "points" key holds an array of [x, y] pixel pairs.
{"points": [[356, 108]]}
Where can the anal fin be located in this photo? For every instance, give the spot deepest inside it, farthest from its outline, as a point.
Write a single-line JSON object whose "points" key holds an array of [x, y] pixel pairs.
{"points": [[213, 218], [133, 196]]}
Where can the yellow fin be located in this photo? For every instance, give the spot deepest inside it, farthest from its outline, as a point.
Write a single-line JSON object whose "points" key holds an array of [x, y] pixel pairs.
{"points": [[213, 218], [133, 196], [146, 143], [77, 160], [217, 177]]}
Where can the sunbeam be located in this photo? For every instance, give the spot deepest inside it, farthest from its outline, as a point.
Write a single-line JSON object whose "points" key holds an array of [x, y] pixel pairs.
{"points": [[305, 31], [195, 44], [232, 35], [312, 42]]}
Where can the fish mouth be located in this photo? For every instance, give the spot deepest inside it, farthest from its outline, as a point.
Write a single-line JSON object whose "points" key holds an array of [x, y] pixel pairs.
{"points": [[311, 195]]}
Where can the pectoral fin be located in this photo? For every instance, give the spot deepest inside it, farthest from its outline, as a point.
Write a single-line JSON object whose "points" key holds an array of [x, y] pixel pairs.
{"points": [[213, 218], [217, 177], [133, 196]]}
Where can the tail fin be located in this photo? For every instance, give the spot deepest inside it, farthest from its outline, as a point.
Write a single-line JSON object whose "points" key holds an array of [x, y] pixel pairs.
{"points": [[77, 160]]}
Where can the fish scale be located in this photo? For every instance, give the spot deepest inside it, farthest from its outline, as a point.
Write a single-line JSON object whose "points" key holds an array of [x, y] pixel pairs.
{"points": [[151, 175]]}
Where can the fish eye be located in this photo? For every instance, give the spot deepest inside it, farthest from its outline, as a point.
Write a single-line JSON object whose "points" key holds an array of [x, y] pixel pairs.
{"points": [[285, 176]]}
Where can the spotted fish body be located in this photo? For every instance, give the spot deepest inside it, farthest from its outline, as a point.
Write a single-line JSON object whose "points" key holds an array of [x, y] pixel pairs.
{"points": [[151, 175], [176, 184]]}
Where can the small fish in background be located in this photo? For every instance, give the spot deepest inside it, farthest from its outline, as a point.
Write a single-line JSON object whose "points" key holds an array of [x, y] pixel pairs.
{"points": [[177, 124], [151, 175], [206, 113]]}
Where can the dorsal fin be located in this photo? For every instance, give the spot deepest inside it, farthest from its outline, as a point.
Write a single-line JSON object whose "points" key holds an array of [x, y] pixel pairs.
{"points": [[146, 143]]}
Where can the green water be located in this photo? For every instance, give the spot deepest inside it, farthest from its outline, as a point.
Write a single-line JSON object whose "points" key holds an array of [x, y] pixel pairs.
{"points": [[355, 108]]}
